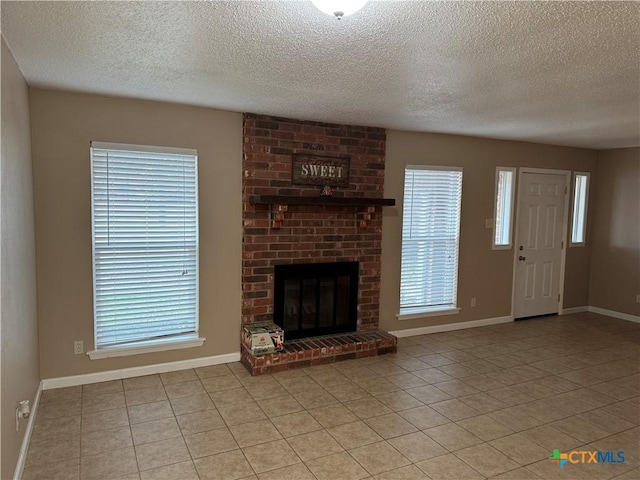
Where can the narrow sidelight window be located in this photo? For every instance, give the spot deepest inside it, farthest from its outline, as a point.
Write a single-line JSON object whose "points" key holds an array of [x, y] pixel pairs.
{"points": [[503, 211], [145, 244], [430, 239], [580, 201]]}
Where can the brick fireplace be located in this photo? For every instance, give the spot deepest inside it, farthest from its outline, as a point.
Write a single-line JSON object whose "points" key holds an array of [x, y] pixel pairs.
{"points": [[285, 223]]}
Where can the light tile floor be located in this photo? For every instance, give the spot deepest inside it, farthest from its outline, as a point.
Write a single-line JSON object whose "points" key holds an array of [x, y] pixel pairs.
{"points": [[489, 402]]}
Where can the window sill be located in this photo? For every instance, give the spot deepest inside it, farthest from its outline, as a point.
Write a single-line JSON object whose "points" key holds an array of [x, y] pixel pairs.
{"points": [[184, 341], [412, 313], [501, 247], [579, 244]]}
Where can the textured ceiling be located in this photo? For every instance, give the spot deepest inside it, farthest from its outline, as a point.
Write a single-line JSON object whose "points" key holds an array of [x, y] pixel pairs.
{"points": [[563, 73]]}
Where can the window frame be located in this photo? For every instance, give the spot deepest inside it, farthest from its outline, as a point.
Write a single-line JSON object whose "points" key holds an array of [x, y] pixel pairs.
{"points": [[584, 213], [159, 343], [408, 313], [512, 193]]}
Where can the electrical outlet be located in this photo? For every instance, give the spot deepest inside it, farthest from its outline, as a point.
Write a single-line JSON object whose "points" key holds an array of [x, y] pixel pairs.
{"points": [[637, 298], [488, 223], [78, 347], [473, 301]]}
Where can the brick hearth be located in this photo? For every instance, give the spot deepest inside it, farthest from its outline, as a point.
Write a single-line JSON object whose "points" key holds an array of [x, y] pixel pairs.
{"points": [[321, 350]]}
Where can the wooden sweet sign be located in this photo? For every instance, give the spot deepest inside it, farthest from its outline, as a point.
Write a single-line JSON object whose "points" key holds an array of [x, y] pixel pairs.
{"points": [[316, 170]]}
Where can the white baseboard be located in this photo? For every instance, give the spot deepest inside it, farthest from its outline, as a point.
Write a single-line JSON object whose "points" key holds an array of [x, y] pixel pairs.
{"points": [[614, 314], [49, 383], [570, 310], [22, 457], [410, 332]]}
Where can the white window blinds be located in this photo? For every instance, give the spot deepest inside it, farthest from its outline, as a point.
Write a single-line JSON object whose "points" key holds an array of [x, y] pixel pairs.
{"points": [[430, 238], [505, 187], [580, 197], [145, 242]]}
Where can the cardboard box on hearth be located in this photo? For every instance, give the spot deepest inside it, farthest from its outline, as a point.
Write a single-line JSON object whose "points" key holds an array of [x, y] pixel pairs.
{"points": [[263, 338]]}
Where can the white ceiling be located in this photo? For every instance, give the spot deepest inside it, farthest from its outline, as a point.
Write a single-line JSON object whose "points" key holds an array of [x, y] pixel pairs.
{"points": [[564, 73]]}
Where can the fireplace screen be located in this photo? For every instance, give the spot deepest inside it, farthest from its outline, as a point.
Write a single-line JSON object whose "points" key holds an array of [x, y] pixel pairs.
{"points": [[316, 298]]}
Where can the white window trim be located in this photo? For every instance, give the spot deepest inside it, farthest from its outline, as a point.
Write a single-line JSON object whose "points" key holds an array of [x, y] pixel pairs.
{"points": [[148, 346], [188, 340], [144, 148], [424, 312], [573, 208], [410, 313], [509, 245], [434, 167]]}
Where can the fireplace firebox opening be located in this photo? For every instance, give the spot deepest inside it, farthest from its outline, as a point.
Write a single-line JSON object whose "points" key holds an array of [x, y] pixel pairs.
{"points": [[315, 299]]}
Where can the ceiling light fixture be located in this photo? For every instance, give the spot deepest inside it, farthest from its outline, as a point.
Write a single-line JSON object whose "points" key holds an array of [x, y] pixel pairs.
{"points": [[339, 8]]}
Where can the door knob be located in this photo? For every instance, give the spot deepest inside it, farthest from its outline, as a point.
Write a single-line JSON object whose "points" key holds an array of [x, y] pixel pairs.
{"points": [[521, 258]]}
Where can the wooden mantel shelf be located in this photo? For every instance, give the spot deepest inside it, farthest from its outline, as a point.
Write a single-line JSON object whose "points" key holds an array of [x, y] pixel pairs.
{"points": [[280, 204], [339, 201]]}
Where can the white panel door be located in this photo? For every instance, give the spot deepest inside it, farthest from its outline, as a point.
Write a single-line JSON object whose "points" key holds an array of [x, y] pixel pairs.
{"points": [[541, 208]]}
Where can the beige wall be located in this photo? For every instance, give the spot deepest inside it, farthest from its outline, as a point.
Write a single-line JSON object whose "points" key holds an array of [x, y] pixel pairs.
{"points": [[19, 331], [63, 124], [615, 259], [483, 273]]}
